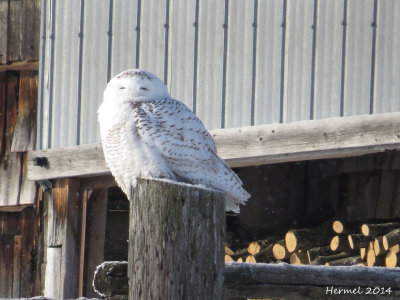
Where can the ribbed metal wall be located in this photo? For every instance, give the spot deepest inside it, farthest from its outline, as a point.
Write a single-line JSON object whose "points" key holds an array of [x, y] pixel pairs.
{"points": [[234, 62]]}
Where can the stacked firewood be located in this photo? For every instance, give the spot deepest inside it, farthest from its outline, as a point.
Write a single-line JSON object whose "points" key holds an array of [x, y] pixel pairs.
{"points": [[334, 244]]}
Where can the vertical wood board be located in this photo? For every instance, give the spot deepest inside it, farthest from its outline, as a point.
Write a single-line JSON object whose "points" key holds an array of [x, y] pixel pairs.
{"points": [[4, 8], [24, 137], [6, 259]]}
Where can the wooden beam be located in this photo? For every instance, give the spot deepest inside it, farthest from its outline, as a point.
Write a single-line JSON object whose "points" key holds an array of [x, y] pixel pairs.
{"points": [[21, 66], [253, 145], [278, 281]]}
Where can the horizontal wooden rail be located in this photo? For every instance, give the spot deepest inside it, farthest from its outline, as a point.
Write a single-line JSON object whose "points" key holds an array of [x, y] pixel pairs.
{"points": [[249, 146], [281, 281]]}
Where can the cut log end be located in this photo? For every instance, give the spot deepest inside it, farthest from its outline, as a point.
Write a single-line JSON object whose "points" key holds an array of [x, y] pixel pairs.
{"points": [[337, 226], [365, 229], [290, 241], [279, 251], [392, 260], [253, 248]]}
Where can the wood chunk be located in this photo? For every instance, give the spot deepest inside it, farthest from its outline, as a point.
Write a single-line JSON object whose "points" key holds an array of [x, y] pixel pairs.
{"points": [[279, 250], [307, 238], [378, 247], [242, 253], [395, 248], [363, 252], [257, 246], [254, 247], [299, 258], [265, 255], [340, 243], [392, 260], [321, 260], [391, 239], [228, 258], [378, 229], [341, 227], [250, 259], [373, 260], [240, 260], [229, 251], [348, 261], [313, 253], [357, 241]]}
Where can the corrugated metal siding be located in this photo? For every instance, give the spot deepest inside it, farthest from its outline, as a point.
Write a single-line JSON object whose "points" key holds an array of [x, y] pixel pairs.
{"points": [[328, 59], [181, 52], [210, 62], [235, 63], [387, 71], [357, 70], [267, 102]]}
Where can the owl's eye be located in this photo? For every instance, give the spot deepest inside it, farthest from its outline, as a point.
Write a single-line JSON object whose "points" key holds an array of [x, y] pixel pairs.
{"points": [[122, 88], [144, 88]]}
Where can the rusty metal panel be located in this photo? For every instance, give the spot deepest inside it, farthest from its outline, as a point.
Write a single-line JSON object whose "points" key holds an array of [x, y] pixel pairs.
{"points": [[387, 71], [357, 72], [268, 61]]}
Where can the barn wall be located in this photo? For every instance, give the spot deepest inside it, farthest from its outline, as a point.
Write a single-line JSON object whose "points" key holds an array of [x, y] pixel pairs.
{"points": [[21, 253], [18, 111], [19, 34], [235, 63]]}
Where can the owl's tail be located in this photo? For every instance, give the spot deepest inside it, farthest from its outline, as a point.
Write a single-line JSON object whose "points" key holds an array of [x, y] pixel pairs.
{"points": [[235, 193]]}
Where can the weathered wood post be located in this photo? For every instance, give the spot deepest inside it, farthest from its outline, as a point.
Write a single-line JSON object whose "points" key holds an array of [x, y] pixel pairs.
{"points": [[176, 236]]}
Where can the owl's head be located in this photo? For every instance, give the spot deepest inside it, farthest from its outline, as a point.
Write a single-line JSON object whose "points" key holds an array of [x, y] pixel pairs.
{"points": [[134, 84]]}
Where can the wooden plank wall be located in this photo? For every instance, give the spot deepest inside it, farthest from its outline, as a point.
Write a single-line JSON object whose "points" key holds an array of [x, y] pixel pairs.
{"points": [[18, 104], [303, 194], [21, 253], [20, 27]]}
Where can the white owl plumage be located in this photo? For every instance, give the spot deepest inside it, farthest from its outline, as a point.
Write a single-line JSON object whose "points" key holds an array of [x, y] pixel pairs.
{"points": [[146, 133]]}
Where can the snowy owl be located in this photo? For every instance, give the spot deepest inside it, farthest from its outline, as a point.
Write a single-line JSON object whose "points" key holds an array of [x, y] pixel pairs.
{"points": [[146, 133]]}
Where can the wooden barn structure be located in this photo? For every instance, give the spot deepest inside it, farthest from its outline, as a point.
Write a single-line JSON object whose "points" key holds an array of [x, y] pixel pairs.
{"points": [[300, 97]]}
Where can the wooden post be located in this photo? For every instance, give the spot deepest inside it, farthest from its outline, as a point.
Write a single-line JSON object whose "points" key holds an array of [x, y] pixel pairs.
{"points": [[176, 242], [62, 261]]}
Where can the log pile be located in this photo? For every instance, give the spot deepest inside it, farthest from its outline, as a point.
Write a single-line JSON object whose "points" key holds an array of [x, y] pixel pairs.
{"points": [[334, 244]]}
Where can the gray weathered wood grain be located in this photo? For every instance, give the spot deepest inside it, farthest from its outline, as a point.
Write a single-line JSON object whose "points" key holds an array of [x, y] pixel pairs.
{"points": [[254, 145], [176, 242]]}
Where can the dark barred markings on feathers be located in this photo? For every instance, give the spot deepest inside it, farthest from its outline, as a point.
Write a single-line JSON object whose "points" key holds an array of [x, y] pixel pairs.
{"points": [[146, 133]]}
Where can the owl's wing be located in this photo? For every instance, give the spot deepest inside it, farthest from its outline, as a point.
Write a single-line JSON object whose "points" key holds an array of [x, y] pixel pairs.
{"points": [[174, 132]]}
